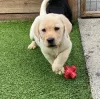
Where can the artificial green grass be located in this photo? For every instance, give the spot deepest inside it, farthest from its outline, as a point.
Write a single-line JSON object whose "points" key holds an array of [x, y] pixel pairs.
{"points": [[26, 74]]}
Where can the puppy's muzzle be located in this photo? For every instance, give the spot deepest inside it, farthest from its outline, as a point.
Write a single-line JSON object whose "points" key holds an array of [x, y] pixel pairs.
{"points": [[51, 42]]}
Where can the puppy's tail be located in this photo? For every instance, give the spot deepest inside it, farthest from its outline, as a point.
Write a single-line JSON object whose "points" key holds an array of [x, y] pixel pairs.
{"points": [[43, 7]]}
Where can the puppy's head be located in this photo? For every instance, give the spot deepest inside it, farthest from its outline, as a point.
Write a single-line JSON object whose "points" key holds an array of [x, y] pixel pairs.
{"points": [[52, 29]]}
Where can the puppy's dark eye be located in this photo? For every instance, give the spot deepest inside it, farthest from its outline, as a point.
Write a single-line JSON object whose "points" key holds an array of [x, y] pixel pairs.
{"points": [[56, 28], [44, 30]]}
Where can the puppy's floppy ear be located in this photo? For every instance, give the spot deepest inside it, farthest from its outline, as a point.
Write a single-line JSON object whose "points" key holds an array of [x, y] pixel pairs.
{"points": [[67, 24], [34, 31]]}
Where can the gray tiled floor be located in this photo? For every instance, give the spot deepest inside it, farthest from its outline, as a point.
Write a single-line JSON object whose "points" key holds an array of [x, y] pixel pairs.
{"points": [[90, 35]]}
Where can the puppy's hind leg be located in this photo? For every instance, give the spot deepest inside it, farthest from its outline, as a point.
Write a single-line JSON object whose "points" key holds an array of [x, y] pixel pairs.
{"points": [[32, 45], [34, 33]]}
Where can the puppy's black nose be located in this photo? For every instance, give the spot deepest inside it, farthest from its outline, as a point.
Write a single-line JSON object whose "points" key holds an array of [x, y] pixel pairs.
{"points": [[50, 40]]}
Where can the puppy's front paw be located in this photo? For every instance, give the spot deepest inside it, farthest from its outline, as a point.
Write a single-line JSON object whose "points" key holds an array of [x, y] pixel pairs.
{"points": [[32, 45], [58, 69]]}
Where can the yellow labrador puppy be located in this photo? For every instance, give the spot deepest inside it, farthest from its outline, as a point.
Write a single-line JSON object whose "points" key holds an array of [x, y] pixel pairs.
{"points": [[51, 33]]}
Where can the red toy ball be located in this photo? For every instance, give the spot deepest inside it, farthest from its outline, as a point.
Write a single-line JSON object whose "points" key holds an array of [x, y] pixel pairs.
{"points": [[70, 72]]}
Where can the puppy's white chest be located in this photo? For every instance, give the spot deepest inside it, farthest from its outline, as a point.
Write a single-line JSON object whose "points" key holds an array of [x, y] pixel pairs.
{"points": [[54, 52]]}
